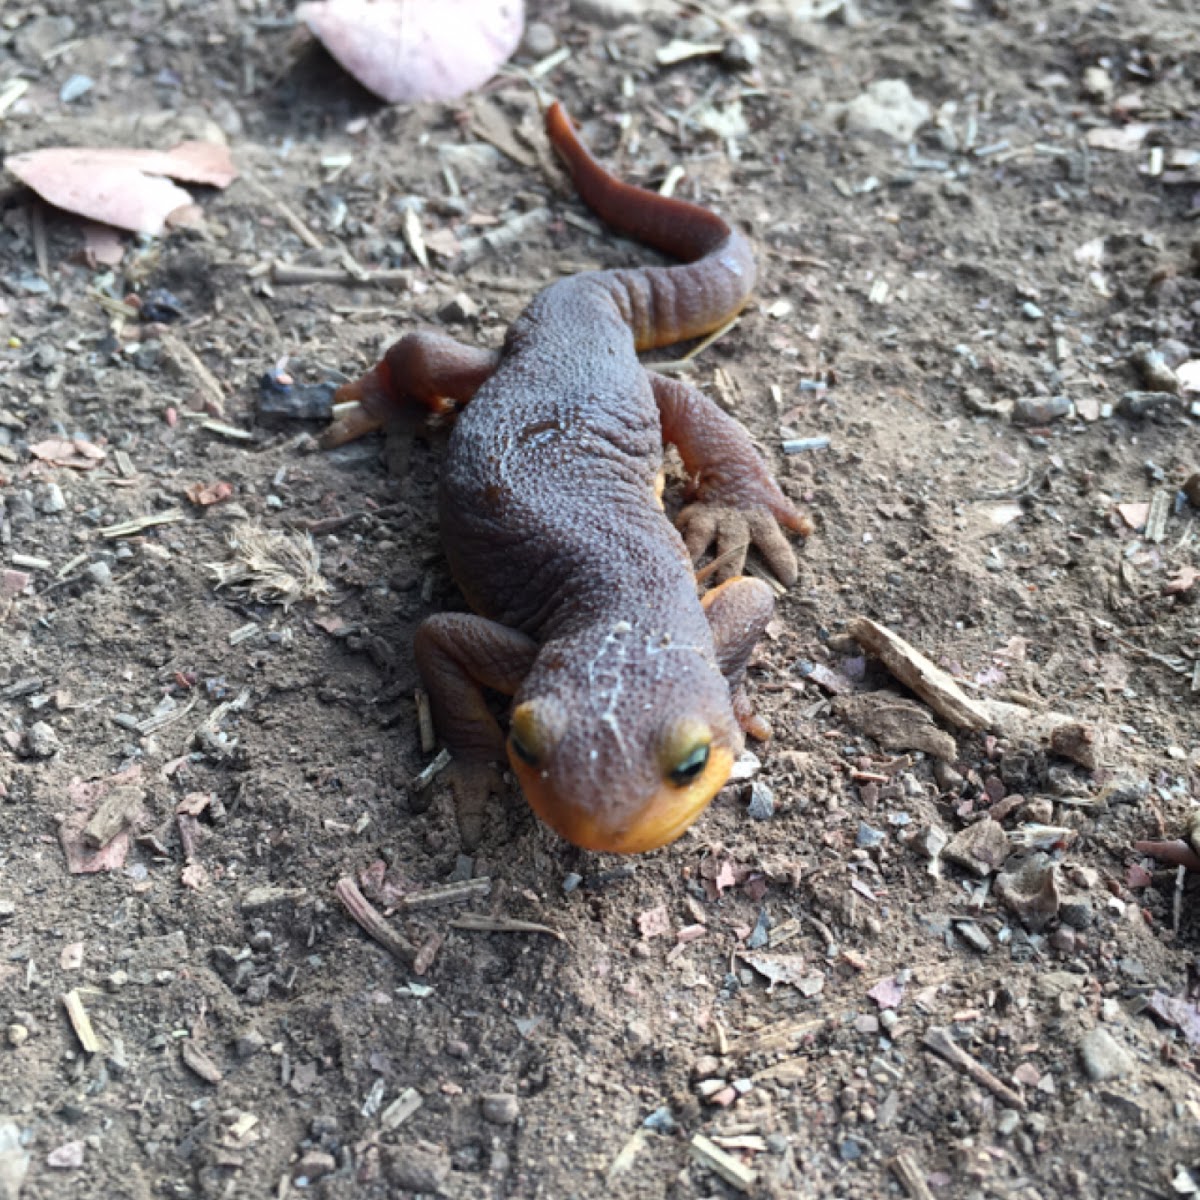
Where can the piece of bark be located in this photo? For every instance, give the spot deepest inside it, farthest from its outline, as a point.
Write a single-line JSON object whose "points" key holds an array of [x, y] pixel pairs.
{"points": [[918, 673]]}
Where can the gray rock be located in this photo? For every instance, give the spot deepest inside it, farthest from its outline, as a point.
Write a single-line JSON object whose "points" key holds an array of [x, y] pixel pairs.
{"points": [[500, 1108], [1103, 1057], [611, 12], [762, 802], [100, 573], [51, 500], [418, 1166], [1041, 410], [36, 38]]}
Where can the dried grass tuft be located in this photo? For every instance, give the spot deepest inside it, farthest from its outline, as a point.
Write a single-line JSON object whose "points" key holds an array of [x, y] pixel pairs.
{"points": [[270, 566]]}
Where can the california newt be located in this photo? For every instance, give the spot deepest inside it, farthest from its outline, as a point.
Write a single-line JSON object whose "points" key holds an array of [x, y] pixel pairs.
{"points": [[629, 706]]}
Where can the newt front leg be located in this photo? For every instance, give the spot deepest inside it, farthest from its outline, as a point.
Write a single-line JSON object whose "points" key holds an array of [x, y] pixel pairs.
{"points": [[458, 655], [739, 503]]}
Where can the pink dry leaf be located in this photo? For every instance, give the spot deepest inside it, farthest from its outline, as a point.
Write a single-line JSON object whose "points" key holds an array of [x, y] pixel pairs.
{"points": [[411, 50], [123, 187]]}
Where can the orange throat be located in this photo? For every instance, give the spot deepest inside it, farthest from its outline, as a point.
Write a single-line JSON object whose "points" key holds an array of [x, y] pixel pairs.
{"points": [[665, 816]]}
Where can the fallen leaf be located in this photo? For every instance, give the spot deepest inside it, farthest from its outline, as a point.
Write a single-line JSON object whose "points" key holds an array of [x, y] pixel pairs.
{"points": [[204, 494], [78, 454], [412, 50], [128, 188], [1119, 137]]}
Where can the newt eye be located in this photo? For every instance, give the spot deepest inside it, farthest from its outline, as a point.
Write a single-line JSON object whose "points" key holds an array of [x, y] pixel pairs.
{"points": [[690, 766], [522, 751]]}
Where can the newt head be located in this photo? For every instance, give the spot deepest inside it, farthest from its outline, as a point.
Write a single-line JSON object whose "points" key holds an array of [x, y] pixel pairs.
{"points": [[621, 746]]}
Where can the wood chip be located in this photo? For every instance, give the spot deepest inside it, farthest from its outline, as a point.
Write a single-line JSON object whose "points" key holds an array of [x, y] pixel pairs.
{"points": [[401, 1108], [414, 238], [425, 721], [731, 1169], [81, 1022], [129, 528], [918, 673], [114, 812], [200, 1064], [941, 1042], [626, 1155]]}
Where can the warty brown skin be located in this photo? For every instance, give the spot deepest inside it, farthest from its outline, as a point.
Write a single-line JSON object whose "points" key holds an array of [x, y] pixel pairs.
{"points": [[628, 704]]}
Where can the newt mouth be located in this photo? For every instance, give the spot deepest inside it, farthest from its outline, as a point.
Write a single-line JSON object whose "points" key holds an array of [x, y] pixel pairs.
{"points": [[662, 819]]}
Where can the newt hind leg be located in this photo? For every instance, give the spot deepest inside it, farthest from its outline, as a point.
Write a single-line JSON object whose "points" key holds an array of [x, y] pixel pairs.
{"points": [[738, 502], [423, 371]]}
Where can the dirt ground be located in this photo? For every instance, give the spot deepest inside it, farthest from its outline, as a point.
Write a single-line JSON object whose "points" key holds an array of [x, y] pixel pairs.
{"points": [[840, 1009]]}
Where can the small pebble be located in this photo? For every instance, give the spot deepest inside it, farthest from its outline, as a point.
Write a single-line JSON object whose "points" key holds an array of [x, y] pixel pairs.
{"points": [[868, 838], [41, 741], [314, 1164], [75, 88], [1041, 410], [500, 1108], [18, 1034], [740, 53], [1031, 310], [571, 881], [1008, 1122], [1063, 939], [849, 1150], [52, 499], [539, 40], [762, 802], [100, 573], [459, 308]]}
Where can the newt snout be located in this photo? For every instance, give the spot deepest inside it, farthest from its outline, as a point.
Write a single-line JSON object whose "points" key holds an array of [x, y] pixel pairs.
{"points": [[624, 755]]}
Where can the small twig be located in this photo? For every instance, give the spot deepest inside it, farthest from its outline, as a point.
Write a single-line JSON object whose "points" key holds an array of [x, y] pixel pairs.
{"points": [[450, 893], [189, 363], [911, 1177], [482, 923], [1177, 905], [372, 922], [291, 273], [299, 227], [81, 1022], [939, 1040], [128, 528], [425, 778], [425, 721]]}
